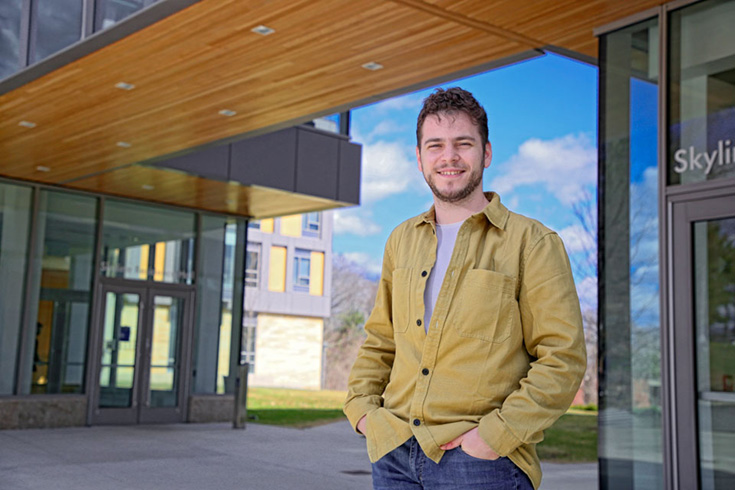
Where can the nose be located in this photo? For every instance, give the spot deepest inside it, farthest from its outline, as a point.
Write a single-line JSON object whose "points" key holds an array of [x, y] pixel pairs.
{"points": [[450, 154]]}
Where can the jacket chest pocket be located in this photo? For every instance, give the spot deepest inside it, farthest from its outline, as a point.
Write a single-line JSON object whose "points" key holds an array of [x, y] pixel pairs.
{"points": [[401, 308], [485, 306]]}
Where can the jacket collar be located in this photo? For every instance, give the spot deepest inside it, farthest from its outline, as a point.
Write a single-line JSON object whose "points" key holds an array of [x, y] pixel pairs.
{"points": [[494, 212]]}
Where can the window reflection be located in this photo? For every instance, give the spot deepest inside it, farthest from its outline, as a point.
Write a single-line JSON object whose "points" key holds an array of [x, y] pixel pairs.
{"points": [[217, 286], [631, 454], [702, 93], [15, 218], [714, 293], [109, 12], [62, 294], [142, 242], [58, 24], [10, 12]]}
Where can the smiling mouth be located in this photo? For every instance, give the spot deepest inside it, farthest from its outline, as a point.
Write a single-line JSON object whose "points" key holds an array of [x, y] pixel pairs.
{"points": [[450, 172]]}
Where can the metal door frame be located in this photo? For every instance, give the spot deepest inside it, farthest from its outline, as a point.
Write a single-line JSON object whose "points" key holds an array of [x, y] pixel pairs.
{"points": [[684, 212], [137, 413]]}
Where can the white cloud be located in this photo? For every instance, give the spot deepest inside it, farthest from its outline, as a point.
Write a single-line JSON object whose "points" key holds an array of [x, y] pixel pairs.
{"points": [[355, 221], [565, 166], [387, 168], [365, 261], [410, 101], [577, 239], [587, 291], [389, 127]]}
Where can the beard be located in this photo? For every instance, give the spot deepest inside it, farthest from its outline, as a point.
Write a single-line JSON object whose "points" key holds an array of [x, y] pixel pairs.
{"points": [[456, 195]]}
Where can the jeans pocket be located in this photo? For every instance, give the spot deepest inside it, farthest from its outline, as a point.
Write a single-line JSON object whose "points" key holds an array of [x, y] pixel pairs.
{"points": [[465, 453]]}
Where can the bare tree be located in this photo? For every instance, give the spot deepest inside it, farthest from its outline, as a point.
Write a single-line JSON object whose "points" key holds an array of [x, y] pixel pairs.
{"points": [[353, 296], [585, 263]]}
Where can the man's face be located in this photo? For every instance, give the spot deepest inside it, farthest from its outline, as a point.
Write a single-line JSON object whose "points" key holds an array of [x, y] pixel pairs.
{"points": [[452, 157]]}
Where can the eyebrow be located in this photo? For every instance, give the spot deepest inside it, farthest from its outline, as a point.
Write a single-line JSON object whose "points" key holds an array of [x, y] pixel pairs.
{"points": [[458, 138]]}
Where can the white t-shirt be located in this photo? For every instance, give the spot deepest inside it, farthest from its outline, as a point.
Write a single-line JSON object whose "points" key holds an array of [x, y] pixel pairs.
{"points": [[446, 235]]}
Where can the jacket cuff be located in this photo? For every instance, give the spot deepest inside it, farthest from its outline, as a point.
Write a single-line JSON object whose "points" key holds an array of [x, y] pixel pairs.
{"points": [[357, 407], [495, 433]]}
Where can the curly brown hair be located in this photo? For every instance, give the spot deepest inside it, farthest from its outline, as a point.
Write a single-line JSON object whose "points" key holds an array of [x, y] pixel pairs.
{"points": [[451, 101]]}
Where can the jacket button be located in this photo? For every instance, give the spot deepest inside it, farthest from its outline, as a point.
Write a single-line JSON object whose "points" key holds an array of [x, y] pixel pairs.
{"points": [[418, 322], [425, 371], [423, 273], [416, 422]]}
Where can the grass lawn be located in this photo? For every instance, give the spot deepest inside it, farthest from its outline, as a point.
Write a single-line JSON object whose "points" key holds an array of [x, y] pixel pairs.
{"points": [[572, 439], [294, 408]]}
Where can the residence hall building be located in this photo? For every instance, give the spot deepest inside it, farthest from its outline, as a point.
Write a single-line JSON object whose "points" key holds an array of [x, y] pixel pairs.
{"points": [[109, 112], [288, 277]]}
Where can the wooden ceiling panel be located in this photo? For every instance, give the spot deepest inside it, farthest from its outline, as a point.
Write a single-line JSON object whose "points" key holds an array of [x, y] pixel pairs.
{"points": [[183, 79], [200, 60], [565, 23]]}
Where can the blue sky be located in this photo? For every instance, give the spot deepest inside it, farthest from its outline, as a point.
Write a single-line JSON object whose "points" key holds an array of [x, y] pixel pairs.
{"points": [[542, 118]]}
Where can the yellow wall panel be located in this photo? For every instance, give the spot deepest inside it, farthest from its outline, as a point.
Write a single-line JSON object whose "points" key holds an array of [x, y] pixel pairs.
{"points": [[266, 225], [277, 270], [316, 274], [291, 225], [160, 261], [143, 267]]}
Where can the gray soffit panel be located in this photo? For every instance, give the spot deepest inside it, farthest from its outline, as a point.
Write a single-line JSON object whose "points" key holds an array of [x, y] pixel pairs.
{"points": [[212, 162], [302, 160], [268, 160], [317, 164], [350, 156]]}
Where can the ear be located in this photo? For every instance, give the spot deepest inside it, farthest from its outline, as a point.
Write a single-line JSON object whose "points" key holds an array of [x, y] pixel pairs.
{"points": [[418, 159], [488, 154]]}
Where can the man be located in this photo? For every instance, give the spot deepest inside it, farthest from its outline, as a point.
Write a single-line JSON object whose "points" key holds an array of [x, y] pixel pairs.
{"points": [[475, 344]]}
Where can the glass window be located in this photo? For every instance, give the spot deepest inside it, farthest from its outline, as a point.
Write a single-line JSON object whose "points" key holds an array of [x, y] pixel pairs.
{"points": [[65, 236], [702, 93], [109, 12], [311, 224], [226, 356], [144, 242], [118, 362], [252, 265], [631, 453], [249, 326], [326, 123], [216, 286], [714, 318], [301, 270], [56, 25], [15, 211], [254, 224], [10, 13]]}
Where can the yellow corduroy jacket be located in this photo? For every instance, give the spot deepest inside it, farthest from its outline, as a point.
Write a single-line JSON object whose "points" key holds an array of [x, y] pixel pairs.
{"points": [[504, 351]]}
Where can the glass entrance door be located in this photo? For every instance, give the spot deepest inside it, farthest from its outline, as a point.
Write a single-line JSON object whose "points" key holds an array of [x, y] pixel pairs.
{"points": [[704, 342], [143, 354]]}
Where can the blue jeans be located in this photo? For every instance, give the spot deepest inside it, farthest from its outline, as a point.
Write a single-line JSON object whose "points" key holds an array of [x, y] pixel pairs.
{"points": [[408, 468]]}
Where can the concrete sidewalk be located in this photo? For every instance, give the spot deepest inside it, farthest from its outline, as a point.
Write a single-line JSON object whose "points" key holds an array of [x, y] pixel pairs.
{"points": [[205, 456]]}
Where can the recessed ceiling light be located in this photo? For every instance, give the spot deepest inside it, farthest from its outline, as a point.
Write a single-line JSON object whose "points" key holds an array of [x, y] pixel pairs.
{"points": [[263, 30], [124, 144], [372, 66], [42, 168], [147, 187], [227, 112], [125, 86], [27, 124]]}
